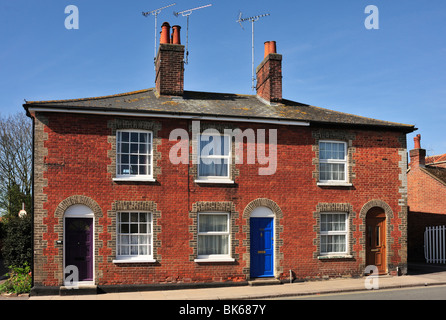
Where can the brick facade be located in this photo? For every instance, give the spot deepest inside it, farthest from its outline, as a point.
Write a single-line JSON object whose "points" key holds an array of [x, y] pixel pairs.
{"points": [[426, 197], [74, 163]]}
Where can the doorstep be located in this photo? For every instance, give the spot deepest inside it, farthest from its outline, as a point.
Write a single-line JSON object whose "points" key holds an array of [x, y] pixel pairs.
{"points": [[80, 290], [264, 282]]}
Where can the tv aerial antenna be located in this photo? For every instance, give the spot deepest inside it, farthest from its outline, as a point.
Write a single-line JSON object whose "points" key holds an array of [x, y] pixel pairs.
{"points": [[155, 13], [252, 19], [187, 13]]}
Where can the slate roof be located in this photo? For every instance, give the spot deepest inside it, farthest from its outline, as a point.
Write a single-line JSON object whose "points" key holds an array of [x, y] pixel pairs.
{"points": [[194, 103], [438, 173]]}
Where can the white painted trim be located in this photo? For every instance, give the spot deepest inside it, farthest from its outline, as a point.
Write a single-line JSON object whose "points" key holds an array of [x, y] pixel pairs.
{"points": [[172, 116], [262, 212]]}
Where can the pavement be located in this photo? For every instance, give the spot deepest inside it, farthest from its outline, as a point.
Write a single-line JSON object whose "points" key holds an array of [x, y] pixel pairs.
{"points": [[418, 275]]}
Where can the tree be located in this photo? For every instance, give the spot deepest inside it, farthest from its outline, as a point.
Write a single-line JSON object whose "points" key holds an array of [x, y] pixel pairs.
{"points": [[15, 163]]}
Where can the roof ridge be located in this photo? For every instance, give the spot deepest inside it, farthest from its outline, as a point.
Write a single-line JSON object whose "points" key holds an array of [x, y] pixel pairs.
{"points": [[91, 98]]}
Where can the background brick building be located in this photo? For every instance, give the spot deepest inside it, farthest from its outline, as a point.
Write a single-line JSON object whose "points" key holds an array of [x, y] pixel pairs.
{"points": [[334, 203], [426, 179]]}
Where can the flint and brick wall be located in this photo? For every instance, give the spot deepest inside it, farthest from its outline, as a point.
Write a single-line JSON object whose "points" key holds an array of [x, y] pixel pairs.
{"points": [[74, 159]]}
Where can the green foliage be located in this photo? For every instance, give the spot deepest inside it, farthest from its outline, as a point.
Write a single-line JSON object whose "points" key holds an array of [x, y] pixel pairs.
{"points": [[19, 280], [17, 241]]}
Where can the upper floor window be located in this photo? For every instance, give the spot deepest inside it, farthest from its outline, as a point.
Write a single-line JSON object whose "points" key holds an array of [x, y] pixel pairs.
{"points": [[214, 157], [332, 161], [134, 154]]}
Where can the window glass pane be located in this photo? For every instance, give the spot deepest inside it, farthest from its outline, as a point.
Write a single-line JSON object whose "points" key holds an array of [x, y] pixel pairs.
{"points": [[124, 250], [124, 239], [125, 136], [212, 223], [134, 217], [124, 228], [134, 137], [143, 250], [143, 137], [143, 148], [124, 147], [125, 217], [143, 216], [133, 228], [213, 167], [213, 244], [133, 239], [214, 145]]}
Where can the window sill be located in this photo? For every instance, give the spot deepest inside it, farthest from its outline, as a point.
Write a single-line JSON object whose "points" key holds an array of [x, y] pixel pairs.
{"points": [[213, 260], [141, 260], [335, 256], [334, 184], [215, 181], [133, 179]]}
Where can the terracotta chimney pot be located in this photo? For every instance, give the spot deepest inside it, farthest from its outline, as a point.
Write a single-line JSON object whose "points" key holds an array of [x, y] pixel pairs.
{"points": [[165, 33], [176, 39], [417, 141]]}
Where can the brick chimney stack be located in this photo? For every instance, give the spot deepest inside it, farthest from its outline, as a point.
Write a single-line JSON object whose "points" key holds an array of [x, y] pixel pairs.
{"points": [[170, 62], [269, 74], [417, 155]]}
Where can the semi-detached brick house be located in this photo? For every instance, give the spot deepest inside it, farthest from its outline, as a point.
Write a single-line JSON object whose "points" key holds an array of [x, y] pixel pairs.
{"points": [[121, 197]]}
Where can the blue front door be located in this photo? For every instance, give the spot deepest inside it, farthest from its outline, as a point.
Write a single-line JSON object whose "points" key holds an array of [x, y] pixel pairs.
{"points": [[262, 248]]}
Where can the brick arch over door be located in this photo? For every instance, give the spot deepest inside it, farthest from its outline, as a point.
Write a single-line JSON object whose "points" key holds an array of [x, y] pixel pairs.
{"points": [[389, 228], [278, 241], [59, 214]]}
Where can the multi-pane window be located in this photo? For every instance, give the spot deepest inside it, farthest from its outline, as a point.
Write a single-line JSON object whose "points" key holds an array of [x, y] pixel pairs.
{"points": [[213, 235], [134, 235], [133, 153], [214, 156], [333, 233], [332, 161]]}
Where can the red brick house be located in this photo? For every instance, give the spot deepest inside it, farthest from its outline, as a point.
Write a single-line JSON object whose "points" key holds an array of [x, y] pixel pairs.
{"points": [[426, 181], [124, 191]]}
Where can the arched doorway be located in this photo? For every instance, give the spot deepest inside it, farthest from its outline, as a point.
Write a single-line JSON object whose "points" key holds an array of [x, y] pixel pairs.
{"points": [[79, 244], [262, 242], [376, 240]]}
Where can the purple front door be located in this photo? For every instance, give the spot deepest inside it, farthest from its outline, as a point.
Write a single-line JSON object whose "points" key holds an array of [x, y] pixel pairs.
{"points": [[79, 246]]}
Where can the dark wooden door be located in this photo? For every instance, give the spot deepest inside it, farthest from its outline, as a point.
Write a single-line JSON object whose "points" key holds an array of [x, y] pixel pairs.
{"points": [[376, 241], [79, 246]]}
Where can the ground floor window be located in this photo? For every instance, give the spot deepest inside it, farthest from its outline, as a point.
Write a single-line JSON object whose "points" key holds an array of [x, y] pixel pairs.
{"points": [[134, 235], [213, 235], [333, 233]]}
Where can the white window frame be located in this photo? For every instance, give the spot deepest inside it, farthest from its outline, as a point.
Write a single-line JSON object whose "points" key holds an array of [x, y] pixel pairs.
{"points": [[149, 165], [228, 158], [343, 162], [134, 258], [215, 257], [333, 233]]}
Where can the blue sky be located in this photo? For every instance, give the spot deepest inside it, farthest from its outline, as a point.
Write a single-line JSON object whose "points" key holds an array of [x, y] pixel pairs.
{"points": [[396, 73]]}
